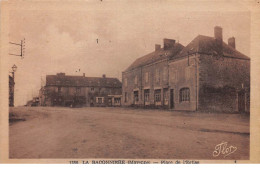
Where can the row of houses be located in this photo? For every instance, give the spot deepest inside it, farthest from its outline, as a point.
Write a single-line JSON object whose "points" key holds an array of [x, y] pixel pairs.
{"points": [[65, 90], [207, 74]]}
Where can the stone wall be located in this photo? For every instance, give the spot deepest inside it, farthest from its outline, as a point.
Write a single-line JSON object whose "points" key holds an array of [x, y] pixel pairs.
{"points": [[220, 80]]}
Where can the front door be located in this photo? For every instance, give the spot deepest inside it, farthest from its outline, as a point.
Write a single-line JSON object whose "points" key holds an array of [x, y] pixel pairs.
{"points": [[136, 97], [172, 99], [241, 101]]}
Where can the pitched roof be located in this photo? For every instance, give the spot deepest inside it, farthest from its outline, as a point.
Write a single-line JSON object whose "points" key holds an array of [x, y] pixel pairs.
{"points": [[208, 45], [155, 56], [64, 80]]}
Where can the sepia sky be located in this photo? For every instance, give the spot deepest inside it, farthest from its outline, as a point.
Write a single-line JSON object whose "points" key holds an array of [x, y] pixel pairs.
{"points": [[66, 40]]}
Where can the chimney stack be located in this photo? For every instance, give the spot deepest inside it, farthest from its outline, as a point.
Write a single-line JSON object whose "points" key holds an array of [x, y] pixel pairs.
{"points": [[232, 42], [218, 33], [83, 74], [104, 76], [168, 43], [157, 47], [60, 74]]}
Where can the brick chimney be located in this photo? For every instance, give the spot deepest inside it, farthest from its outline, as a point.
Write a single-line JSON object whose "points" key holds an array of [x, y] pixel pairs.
{"points": [[218, 33], [157, 47], [104, 76], [168, 43], [218, 39], [60, 74], [232, 42]]}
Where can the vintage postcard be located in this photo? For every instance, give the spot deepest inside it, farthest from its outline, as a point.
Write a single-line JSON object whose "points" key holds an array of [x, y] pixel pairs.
{"points": [[130, 82]]}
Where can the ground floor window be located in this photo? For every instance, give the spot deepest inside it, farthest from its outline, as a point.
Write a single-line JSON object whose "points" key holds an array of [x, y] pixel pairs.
{"points": [[157, 95], [146, 95], [117, 100], [99, 100], [184, 94], [78, 90]]}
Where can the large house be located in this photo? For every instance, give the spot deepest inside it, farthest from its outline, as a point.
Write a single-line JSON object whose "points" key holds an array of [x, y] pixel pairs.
{"points": [[64, 90], [208, 74]]}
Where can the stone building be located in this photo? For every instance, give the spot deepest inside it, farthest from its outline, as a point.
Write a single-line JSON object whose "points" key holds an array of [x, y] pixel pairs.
{"points": [[145, 82], [64, 90], [208, 74]]}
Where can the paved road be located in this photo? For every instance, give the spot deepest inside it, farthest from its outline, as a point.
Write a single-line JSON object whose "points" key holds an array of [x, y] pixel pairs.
{"points": [[48, 132]]}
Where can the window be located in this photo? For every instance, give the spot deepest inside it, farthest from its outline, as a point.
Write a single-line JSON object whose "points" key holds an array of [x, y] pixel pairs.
{"points": [[125, 82], [117, 100], [92, 89], [157, 95], [157, 75], [59, 90], [136, 80], [99, 90], [99, 100], [184, 94], [78, 90], [173, 75], [146, 77], [146, 95], [165, 74], [126, 97]]}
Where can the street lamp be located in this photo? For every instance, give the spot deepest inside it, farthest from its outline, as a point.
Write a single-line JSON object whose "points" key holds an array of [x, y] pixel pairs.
{"points": [[14, 68]]}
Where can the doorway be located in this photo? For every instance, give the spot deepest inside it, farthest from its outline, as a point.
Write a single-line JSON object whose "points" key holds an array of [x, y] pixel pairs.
{"points": [[172, 99], [109, 102], [136, 98]]}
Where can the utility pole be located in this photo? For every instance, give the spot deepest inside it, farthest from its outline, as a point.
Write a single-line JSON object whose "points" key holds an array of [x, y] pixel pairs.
{"points": [[22, 48], [14, 68]]}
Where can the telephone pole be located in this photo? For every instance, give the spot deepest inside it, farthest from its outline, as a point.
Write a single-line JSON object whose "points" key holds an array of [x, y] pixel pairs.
{"points": [[22, 48]]}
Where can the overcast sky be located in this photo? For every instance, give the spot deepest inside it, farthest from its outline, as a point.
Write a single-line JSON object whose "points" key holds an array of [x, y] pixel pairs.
{"points": [[66, 40]]}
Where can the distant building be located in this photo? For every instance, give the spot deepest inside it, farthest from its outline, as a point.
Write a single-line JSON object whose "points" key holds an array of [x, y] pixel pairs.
{"points": [[207, 74], [33, 102], [11, 91], [64, 90]]}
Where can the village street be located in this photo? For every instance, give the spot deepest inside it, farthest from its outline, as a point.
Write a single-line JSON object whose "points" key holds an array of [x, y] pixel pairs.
{"points": [[105, 132]]}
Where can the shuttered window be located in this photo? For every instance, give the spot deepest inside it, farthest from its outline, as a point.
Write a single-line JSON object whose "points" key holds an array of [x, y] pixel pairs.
{"points": [[184, 94], [157, 95]]}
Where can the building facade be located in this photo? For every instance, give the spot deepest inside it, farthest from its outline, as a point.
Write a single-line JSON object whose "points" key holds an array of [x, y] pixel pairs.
{"points": [[145, 82], [208, 74], [63, 90]]}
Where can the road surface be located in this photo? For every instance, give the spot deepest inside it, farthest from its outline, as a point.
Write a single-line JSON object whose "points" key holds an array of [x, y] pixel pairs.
{"points": [[57, 132]]}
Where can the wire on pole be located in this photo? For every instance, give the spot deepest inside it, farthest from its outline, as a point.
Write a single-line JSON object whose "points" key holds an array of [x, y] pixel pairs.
{"points": [[22, 48]]}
